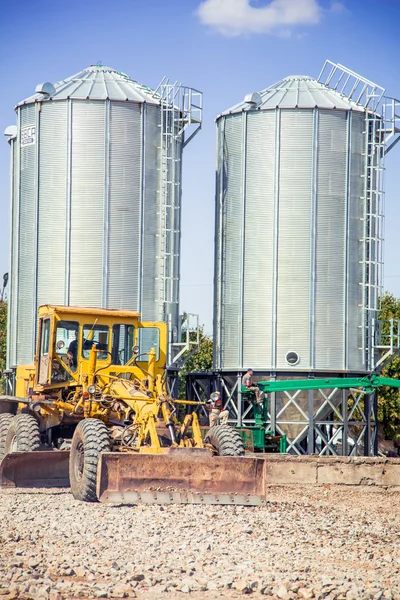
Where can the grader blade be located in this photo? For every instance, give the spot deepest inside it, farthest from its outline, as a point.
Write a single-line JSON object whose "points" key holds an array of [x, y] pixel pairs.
{"points": [[35, 469], [180, 477]]}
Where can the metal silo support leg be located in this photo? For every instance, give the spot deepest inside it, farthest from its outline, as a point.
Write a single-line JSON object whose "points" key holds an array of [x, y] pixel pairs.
{"points": [[239, 401], [371, 428], [345, 413], [374, 407], [310, 436], [367, 432]]}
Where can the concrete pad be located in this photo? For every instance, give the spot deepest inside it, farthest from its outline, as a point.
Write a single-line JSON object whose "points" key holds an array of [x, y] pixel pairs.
{"points": [[291, 471], [341, 471], [350, 474], [365, 472]]}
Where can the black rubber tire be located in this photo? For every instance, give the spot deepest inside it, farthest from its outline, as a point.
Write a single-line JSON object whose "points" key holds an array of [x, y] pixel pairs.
{"points": [[5, 420], [91, 438], [225, 440], [23, 435]]}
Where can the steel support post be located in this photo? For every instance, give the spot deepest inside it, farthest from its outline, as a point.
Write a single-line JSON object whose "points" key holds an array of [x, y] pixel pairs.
{"points": [[310, 433], [375, 409], [345, 414], [367, 432], [173, 383], [239, 399]]}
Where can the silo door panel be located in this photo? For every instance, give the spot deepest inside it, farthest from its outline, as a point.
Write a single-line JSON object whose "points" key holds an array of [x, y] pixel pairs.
{"points": [[44, 352]]}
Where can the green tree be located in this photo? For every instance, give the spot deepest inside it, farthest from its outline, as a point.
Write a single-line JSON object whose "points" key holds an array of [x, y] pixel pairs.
{"points": [[201, 360], [388, 397], [3, 340]]}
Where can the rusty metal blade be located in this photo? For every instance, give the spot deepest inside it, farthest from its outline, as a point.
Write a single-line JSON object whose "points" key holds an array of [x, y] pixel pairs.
{"points": [[180, 477], [35, 469]]}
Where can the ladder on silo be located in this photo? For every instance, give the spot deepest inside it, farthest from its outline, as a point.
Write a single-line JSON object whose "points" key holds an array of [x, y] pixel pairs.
{"points": [[170, 184], [382, 135], [373, 227], [181, 117], [181, 108]]}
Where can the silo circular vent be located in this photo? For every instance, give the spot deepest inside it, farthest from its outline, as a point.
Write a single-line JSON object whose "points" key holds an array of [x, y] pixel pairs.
{"points": [[292, 358]]}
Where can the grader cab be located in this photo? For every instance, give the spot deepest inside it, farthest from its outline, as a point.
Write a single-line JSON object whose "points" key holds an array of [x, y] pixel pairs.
{"points": [[93, 411]]}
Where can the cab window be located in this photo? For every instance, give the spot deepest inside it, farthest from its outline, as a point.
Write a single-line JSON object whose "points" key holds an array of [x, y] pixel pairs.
{"points": [[44, 359], [59, 374], [122, 343], [97, 335], [149, 338], [45, 341], [67, 343]]}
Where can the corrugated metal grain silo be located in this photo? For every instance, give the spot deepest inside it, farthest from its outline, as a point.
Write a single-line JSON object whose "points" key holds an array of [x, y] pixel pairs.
{"points": [[298, 231], [96, 198]]}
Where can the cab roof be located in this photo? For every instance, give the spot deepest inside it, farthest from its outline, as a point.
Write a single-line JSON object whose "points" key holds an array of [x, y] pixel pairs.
{"points": [[79, 310]]}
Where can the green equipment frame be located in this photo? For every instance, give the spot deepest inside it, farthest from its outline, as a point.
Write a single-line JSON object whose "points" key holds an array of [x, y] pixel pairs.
{"points": [[258, 437], [369, 384]]}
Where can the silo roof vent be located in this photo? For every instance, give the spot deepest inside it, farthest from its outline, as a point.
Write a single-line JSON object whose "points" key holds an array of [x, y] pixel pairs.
{"points": [[253, 99], [11, 132], [46, 89], [96, 82]]}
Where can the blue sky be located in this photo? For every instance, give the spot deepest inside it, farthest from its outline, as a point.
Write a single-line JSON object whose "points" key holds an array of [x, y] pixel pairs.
{"points": [[226, 49]]}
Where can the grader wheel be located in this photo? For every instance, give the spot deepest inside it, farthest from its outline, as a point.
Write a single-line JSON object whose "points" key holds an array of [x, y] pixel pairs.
{"points": [[90, 440], [23, 435], [5, 420], [225, 440]]}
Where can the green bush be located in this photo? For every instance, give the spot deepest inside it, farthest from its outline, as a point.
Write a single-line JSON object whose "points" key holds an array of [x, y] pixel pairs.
{"points": [[388, 397], [202, 360]]}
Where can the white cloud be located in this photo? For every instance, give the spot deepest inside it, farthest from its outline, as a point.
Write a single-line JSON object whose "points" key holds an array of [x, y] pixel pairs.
{"points": [[239, 17]]}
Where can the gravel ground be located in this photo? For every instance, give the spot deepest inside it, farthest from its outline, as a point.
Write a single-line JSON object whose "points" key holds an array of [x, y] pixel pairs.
{"points": [[337, 543]]}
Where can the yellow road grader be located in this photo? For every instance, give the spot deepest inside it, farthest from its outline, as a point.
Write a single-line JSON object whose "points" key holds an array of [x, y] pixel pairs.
{"points": [[93, 412]]}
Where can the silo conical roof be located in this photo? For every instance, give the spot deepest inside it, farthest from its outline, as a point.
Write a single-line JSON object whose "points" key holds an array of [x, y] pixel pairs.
{"points": [[297, 91], [98, 82]]}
